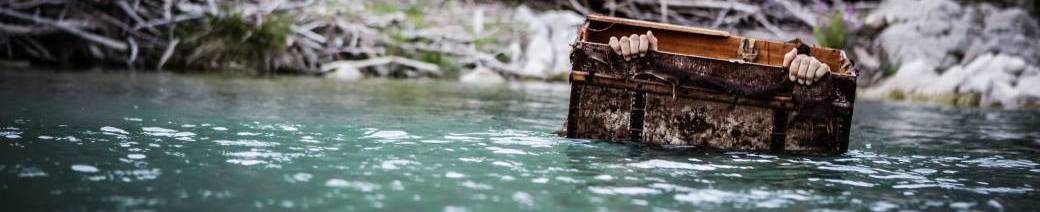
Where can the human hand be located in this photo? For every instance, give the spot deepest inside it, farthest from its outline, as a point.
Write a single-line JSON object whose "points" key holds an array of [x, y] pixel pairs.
{"points": [[804, 69], [634, 46]]}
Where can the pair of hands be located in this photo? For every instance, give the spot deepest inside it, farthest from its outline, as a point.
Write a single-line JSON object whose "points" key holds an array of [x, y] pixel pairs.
{"points": [[802, 69]]}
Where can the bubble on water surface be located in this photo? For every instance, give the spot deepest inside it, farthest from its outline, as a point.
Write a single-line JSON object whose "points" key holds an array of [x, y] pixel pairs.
{"points": [[84, 168]]}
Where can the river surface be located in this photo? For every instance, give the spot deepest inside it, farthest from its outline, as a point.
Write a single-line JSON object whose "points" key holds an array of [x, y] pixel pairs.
{"points": [[183, 142]]}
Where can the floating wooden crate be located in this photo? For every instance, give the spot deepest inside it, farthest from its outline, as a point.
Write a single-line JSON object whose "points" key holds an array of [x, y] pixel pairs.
{"points": [[707, 89]]}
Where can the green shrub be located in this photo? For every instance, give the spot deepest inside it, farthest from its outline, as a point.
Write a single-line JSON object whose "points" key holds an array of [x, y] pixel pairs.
{"points": [[833, 32]]}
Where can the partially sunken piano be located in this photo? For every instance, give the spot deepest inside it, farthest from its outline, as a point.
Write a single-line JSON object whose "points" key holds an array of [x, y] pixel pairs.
{"points": [[706, 89]]}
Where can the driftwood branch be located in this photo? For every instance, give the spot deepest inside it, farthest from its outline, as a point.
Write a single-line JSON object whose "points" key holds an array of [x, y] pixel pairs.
{"points": [[105, 41]]}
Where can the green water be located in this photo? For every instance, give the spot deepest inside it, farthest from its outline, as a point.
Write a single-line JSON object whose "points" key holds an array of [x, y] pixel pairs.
{"points": [[146, 141]]}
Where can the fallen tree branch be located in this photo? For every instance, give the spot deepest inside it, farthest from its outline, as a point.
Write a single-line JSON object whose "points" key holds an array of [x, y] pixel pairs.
{"points": [[105, 41]]}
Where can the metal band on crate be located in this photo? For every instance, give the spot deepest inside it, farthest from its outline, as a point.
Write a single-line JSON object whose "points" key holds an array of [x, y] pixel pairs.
{"points": [[779, 134], [637, 112]]}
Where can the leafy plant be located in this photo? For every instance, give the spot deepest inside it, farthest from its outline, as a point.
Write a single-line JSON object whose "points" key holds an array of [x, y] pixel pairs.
{"points": [[833, 32]]}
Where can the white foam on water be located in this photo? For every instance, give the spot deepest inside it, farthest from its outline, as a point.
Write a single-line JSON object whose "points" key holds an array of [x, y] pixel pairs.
{"points": [[13, 136], [453, 208], [302, 177], [510, 164], [706, 196], [604, 177], [925, 171], [220, 128], [523, 198], [397, 185], [84, 168], [665, 164], [850, 182], [1000, 162], [31, 173], [633, 190], [164, 132], [245, 162], [845, 168], [568, 179], [500, 150], [114, 130], [395, 164], [158, 130], [288, 128], [899, 176], [247, 133], [249, 143], [476, 185], [451, 174], [44, 137], [136, 156], [537, 142], [389, 135], [435, 141], [132, 119], [474, 160], [356, 185], [540, 180], [189, 125]]}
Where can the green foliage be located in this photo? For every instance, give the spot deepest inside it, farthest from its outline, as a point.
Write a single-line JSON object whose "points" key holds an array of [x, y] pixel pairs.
{"points": [[445, 62], [888, 70], [833, 33], [231, 38]]}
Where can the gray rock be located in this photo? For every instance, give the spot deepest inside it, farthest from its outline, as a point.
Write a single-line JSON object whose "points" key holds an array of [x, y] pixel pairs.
{"points": [[932, 30]]}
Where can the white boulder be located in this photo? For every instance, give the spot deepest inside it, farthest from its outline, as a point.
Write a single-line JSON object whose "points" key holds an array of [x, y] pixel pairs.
{"points": [[551, 33]]}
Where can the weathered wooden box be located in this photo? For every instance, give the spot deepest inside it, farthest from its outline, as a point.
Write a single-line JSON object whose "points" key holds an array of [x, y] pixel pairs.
{"points": [[706, 89]]}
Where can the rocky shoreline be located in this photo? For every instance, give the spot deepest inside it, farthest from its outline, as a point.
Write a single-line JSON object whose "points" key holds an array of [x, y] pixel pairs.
{"points": [[977, 53], [955, 53]]}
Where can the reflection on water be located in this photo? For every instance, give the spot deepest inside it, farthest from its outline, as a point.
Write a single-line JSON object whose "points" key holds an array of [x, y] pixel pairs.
{"points": [[122, 141]]}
